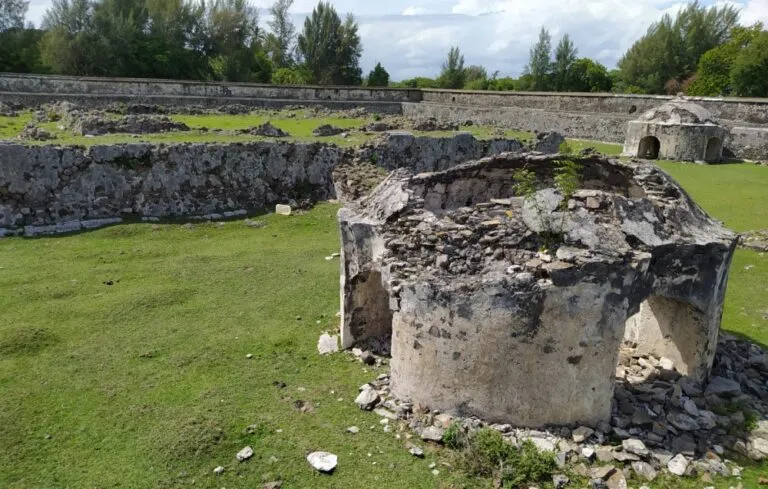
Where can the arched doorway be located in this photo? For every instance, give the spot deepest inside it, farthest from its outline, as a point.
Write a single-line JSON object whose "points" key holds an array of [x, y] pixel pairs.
{"points": [[714, 151], [649, 148]]}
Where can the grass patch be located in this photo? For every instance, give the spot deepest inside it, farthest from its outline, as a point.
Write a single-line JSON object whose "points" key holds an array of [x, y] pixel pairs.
{"points": [[123, 358], [734, 193]]}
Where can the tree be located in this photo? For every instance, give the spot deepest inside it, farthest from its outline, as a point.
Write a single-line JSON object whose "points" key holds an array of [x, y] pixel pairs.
{"points": [[565, 56], [453, 74], [291, 76], [279, 43], [71, 44], [671, 49], [586, 75], [378, 77], [749, 74], [330, 49], [20, 50], [476, 78], [234, 40], [713, 76], [12, 14], [539, 63]]}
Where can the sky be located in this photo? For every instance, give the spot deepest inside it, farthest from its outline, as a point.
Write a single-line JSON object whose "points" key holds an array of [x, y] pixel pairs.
{"points": [[412, 37]]}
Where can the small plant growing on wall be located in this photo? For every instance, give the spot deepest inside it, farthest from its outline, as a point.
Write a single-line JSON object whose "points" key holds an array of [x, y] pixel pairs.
{"points": [[567, 179]]}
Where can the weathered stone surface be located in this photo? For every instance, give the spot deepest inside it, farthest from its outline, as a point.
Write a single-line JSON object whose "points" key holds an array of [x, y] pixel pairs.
{"points": [[433, 434], [678, 465], [719, 386], [323, 461], [72, 186], [244, 454], [582, 433], [368, 397], [644, 470], [676, 130], [327, 344], [429, 257]]}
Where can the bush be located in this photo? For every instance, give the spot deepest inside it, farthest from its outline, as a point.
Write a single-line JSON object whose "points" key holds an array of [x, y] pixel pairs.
{"points": [[485, 453]]}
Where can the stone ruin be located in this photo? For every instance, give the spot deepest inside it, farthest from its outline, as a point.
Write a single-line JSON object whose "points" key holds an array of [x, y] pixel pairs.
{"points": [[677, 130], [514, 308]]}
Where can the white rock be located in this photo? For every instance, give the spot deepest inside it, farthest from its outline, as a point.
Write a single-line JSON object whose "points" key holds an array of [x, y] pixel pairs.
{"points": [[244, 454], [283, 210], [322, 461], [218, 470], [353, 429], [432, 433], [678, 465], [582, 433], [666, 363], [327, 344], [633, 445], [416, 451], [367, 398]]}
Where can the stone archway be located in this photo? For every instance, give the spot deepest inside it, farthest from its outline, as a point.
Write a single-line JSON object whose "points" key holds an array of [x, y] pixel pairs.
{"points": [[649, 148], [714, 150], [670, 328]]}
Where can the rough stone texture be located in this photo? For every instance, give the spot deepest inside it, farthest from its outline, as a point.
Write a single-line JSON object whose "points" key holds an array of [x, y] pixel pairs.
{"points": [[676, 130], [50, 189], [483, 323], [91, 125]]}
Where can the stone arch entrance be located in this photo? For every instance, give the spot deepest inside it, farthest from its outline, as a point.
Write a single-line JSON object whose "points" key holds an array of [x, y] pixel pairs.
{"points": [[714, 149], [673, 329], [649, 148]]}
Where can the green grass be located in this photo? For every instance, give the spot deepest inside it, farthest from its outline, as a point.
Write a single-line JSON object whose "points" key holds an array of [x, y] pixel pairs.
{"points": [[299, 124], [145, 382], [735, 193]]}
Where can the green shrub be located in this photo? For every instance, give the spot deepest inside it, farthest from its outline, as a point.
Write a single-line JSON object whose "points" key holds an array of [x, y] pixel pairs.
{"points": [[485, 453]]}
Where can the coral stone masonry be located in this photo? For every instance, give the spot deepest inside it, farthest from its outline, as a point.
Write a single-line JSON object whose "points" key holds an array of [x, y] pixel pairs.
{"points": [[514, 309]]}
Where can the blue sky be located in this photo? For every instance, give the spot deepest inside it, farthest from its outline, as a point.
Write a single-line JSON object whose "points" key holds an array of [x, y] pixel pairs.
{"points": [[412, 37]]}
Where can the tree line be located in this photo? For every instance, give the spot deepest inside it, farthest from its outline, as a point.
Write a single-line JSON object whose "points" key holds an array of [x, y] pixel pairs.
{"points": [[700, 51], [220, 40]]}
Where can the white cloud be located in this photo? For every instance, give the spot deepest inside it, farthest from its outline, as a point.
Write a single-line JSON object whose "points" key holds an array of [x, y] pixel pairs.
{"points": [[412, 37]]}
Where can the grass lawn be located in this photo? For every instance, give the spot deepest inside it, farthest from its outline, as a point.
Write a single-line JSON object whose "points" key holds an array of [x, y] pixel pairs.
{"points": [[299, 125], [123, 351]]}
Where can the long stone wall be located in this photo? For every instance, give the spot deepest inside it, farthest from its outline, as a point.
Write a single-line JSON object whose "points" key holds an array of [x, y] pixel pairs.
{"points": [[600, 116], [51, 189]]}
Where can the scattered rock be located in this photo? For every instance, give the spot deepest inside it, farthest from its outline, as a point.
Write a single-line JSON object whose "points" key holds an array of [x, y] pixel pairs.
{"points": [[244, 454], [327, 344], [267, 130], [322, 461], [581, 433], [433, 124], [678, 465], [560, 481], [368, 397], [416, 451], [433, 434], [327, 130], [644, 470], [283, 210], [353, 429], [633, 445], [720, 386], [218, 470]]}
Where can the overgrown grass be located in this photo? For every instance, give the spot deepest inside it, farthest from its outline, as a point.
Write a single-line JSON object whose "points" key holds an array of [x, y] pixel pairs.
{"points": [[123, 361], [735, 193]]}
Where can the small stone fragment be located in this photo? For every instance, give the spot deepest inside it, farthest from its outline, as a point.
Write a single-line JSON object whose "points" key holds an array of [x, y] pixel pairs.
{"points": [[368, 398], [322, 461], [244, 454], [582, 433], [644, 470], [353, 429], [218, 470], [678, 465], [327, 344], [633, 445], [283, 210], [433, 434], [416, 451], [560, 481]]}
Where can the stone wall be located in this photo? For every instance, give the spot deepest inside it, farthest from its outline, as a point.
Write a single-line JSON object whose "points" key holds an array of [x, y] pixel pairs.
{"points": [[50, 189], [596, 116]]}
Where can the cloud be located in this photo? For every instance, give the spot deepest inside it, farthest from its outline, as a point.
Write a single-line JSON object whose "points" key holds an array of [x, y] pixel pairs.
{"points": [[412, 37]]}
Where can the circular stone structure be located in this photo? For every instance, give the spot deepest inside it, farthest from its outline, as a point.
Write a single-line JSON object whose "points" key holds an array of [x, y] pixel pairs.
{"points": [[484, 322], [677, 130]]}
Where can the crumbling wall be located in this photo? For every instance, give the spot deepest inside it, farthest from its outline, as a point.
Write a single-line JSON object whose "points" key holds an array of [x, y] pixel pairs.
{"points": [[49, 189]]}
